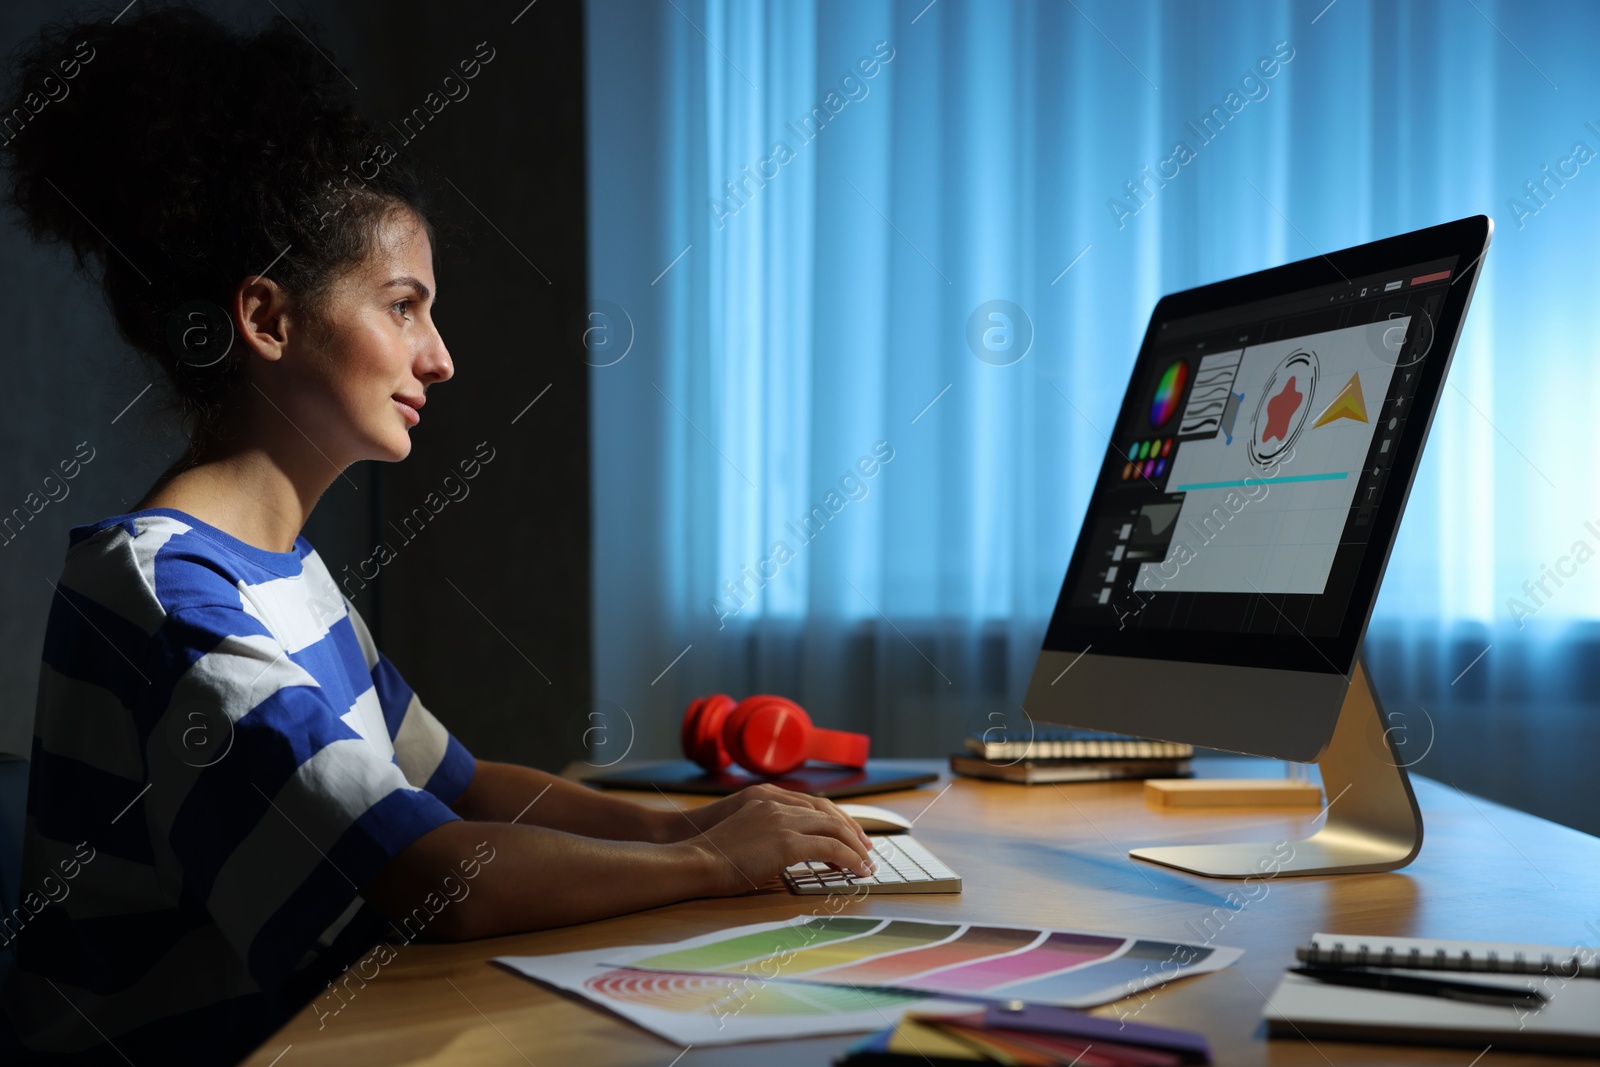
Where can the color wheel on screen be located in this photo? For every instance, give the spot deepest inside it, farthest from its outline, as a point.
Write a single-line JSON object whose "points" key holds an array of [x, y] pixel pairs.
{"points": [[1169, 390], [1066, 967]]}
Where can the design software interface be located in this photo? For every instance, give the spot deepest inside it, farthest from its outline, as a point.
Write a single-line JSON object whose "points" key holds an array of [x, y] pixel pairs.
{"points": [[1241, 488]]}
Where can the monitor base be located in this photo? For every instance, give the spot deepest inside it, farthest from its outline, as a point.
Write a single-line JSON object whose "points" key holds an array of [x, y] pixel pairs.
{"points": [[1373, 822]]}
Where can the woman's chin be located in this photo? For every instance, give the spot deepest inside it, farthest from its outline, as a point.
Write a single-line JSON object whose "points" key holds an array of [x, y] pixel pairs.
{"points": [[392, 448]]}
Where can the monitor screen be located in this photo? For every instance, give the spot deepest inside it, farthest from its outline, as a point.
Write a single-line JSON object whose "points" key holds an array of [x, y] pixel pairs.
{"points": [[1254, 479]]}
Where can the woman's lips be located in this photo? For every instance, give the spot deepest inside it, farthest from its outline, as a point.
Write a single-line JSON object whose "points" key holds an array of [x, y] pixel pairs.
{"points": [[411, 414]]}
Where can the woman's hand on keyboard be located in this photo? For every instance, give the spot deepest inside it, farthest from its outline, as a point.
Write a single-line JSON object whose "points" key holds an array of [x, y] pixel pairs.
{"points": [[755, 840], [693, 821]]}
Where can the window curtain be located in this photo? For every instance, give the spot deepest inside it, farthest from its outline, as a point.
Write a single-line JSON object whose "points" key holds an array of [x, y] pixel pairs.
{"points": [[868, 280]]}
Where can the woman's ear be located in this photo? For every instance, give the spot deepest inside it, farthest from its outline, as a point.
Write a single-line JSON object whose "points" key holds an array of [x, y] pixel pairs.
{"points": [[261, 314]]}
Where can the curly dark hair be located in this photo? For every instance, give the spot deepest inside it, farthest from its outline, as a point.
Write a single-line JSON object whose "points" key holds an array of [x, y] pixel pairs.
{"points": [[177, 158]]}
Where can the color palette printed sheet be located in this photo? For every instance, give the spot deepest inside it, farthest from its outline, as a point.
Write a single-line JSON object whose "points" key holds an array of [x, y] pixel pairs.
{"points": [[1068, 968], [841, 974], [716, 1009]]}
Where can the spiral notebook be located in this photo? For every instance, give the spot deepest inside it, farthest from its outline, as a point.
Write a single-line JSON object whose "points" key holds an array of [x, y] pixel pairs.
{"points": [[1061, 742], [1343, 950], [1569, 1021]]}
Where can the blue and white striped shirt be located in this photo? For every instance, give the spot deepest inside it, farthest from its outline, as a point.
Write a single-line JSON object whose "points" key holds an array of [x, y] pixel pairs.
{"points": [[221, 759]]}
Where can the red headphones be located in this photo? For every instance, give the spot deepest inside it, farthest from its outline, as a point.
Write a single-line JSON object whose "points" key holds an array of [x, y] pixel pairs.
{"points": [[764, 735]]}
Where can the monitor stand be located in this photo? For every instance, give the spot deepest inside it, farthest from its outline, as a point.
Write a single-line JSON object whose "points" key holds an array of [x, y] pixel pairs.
{"points": [[1373, 823]]}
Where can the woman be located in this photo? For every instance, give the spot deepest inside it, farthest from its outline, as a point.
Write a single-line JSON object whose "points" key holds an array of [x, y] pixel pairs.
{"points": [[233, 793]]}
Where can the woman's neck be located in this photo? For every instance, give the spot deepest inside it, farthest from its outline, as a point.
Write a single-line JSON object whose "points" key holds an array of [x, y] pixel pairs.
{"points": [[246, 492]]}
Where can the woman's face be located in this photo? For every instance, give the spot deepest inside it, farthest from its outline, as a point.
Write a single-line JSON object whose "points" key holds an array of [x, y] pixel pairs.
{"points": [[358, 389]]}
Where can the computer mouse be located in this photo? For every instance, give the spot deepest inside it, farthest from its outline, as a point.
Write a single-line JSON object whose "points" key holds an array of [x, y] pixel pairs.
{"points": [[875, 820]]}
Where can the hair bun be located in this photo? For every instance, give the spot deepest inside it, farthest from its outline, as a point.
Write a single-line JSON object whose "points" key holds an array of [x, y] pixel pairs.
{"points": [[179, 157], [120, 132], [106, 130]]}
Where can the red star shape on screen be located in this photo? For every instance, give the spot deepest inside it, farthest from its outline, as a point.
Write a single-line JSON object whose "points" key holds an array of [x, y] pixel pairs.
{"points": [[1280, 409]]}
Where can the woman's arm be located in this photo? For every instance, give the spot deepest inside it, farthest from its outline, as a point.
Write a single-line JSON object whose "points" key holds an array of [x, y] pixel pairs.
{"points": [[507, 792], [491, 878]]}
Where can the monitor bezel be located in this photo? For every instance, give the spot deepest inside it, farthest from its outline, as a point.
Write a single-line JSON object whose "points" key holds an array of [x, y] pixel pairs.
{"points": [[1467, 240]]}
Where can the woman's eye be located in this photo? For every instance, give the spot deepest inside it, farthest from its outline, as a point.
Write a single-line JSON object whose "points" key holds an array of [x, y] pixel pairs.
{"points": [[401, 306]]}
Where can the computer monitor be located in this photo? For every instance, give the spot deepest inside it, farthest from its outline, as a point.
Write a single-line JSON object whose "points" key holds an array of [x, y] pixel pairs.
{"points": [[1234, 543]]}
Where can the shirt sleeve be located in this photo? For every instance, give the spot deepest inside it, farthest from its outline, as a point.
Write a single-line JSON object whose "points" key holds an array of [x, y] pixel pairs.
{"points": [[289, 813], [428, 754]]}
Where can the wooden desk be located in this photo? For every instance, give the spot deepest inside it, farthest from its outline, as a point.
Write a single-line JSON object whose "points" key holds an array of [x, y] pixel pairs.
{"points": [[1046, 855]]}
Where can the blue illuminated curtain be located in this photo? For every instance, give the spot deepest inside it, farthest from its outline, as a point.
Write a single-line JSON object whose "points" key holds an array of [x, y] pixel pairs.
{"points": [[801, 211]]}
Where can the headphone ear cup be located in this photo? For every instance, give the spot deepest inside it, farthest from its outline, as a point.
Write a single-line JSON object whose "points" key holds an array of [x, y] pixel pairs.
{"points": [[702, 731], [732, 723], [767, 734], [733, 730]]}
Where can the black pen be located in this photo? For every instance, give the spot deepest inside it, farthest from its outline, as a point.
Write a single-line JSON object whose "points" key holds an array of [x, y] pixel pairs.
{"points": [[1499, 996]]}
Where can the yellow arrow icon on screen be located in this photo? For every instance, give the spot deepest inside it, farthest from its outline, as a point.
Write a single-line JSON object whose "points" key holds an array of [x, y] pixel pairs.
{"points": [[1347, 405]]}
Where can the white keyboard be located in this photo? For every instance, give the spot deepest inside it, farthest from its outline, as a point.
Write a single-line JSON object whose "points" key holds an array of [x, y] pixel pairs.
{"points": [[903, 866]]}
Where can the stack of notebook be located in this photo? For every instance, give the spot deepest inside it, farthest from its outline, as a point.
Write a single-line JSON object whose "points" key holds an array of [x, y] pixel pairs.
{"points": [[1061, 754], [1025, 1035]]}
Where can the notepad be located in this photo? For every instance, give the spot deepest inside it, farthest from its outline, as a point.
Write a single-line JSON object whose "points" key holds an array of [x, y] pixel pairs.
{"points": [[1489, 957], [1303, 1007]]}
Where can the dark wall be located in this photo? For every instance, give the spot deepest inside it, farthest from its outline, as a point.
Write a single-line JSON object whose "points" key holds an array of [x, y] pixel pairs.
{"points": [[485, 605], [481, 597], [69, 381]]}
